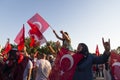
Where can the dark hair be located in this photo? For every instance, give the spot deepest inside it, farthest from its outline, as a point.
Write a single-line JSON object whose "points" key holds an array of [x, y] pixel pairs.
{"points": [[43, 55], [85, 50], [66, 33], [12, 54]]}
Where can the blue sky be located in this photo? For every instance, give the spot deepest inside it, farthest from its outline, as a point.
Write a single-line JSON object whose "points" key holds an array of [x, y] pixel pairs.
{"points": [[86, 21]]}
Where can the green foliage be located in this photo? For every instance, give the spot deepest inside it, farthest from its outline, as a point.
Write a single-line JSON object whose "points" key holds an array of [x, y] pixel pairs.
{"points": [[45, 49], [29, 49], [41, 49]]}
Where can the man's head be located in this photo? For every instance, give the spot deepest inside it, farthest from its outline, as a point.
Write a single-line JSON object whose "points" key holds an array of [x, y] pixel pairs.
{"points": [[43, 56], [12, 54]]}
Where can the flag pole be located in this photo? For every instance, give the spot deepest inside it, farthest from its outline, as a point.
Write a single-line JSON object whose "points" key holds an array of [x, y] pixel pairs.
{"points": [[8, 40], [51, 27]]}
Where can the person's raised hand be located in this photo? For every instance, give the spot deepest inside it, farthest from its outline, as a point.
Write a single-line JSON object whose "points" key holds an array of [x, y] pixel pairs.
{"points": [[106, 45], [53, 31], [48, 44], [61, 31]]}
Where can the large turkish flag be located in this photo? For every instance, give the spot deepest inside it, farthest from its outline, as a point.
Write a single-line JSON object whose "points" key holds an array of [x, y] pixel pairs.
{"points": [[65, 65]]}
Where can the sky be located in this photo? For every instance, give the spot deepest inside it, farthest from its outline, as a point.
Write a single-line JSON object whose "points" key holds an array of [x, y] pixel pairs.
{"points": [[86, 21]]}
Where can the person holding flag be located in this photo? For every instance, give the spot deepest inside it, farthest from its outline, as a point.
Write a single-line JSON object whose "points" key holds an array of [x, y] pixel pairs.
{"points": [[84, 67], [65, 39]]}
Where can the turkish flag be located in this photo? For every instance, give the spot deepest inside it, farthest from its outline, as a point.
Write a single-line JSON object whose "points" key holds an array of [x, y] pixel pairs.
{"points": [[65, 65], [97, 51], [36, 36], [20, 39], [38, 21], [32, 41], [116, 70], [7, 48], [115, 64]]}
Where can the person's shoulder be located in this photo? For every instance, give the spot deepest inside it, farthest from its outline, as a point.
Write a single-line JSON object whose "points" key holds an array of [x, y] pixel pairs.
{"points": [[41, 61], [30, 62], [90, 55], [48, 62]]}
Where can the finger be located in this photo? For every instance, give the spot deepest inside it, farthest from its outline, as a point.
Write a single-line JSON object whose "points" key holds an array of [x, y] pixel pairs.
{"points": [[109, 41], [103, 40]]}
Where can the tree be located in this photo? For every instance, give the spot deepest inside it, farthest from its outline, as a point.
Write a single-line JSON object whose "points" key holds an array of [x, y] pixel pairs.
{"points": [[41, 49]]}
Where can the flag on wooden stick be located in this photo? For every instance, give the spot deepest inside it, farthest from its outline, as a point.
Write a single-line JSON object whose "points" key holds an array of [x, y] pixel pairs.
{"points": [[39, 22]]}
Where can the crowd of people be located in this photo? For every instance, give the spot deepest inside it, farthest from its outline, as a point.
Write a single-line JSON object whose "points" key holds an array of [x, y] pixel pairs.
{"points": [[21, 66]]}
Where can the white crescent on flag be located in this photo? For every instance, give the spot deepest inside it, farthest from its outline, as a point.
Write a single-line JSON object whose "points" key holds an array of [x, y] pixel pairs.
{"points": [[68, 56], [38, 24]]}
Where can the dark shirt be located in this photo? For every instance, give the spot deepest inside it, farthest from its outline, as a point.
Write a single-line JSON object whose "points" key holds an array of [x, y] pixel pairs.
{"points": [[84, 69]]}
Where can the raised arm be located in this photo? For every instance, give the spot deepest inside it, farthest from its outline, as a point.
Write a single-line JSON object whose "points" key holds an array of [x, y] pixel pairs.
{"points": [[106, 46], [51, 49], [57, 35], [66, 36], [104, 58]]}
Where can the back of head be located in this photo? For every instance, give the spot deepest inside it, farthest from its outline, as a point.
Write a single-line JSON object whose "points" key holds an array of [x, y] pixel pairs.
{"points": [[43, 56], [66, 33], [12, 54], [15, 55]]}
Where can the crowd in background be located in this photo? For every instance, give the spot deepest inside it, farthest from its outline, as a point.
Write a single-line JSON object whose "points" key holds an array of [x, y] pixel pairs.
{"points": [[19, 65]]}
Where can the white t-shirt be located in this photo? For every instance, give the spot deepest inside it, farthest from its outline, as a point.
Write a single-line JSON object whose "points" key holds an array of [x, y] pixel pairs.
{"points": [[43, 69], [29, 66], [107, 75]]}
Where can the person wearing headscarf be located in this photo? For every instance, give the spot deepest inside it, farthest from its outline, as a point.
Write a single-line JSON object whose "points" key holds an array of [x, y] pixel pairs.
{"points": [[84, 67]]}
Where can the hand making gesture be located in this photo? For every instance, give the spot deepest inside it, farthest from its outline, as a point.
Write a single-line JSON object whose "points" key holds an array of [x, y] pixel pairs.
{"points": [[106, 45]]}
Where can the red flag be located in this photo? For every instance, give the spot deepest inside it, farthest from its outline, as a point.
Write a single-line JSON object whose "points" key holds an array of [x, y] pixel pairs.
{"points": [[38, 21], [20, 39], [7, 48], [36, 36], [32, 41], [115, 64], [97, 51], [114, 56], [65, 65]]}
